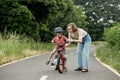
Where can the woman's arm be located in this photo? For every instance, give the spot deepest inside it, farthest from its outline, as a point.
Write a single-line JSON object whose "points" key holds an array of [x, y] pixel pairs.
{"points": [[80, 32], [74, 40], [79, 40]]}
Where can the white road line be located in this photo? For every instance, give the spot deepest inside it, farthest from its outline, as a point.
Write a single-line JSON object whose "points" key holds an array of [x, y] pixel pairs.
{"points": [[44, 77], [107, 66]]}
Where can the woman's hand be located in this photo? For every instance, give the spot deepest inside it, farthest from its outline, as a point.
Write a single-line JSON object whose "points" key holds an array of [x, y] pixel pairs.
{"points": [[69, 40]]}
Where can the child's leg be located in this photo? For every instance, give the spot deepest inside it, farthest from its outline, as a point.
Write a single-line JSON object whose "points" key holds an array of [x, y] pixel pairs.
{"points": [[65, 58], [52, 53]]}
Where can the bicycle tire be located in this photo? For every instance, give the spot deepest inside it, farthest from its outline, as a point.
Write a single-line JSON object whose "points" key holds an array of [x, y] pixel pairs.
{"points": [[60, 65]]}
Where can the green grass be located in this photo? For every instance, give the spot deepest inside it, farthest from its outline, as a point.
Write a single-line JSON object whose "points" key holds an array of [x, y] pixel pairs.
{"points": [[99, 43], [13, 47], [109, 56]]}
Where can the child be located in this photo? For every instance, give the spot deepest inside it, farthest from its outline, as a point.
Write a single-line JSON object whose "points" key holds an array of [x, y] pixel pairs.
{"points": [[58, 40]]}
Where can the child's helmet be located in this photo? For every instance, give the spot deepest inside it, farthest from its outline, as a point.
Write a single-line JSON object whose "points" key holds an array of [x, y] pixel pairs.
{"points": [[58, 29]]}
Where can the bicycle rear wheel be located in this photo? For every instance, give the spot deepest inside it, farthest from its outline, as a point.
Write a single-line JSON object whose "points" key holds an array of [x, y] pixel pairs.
{"points": [[60, 65]]}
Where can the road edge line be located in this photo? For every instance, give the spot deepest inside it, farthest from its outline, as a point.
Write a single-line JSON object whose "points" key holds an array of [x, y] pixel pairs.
{"points": [[25, 58], [22, 59], [107, 66]]}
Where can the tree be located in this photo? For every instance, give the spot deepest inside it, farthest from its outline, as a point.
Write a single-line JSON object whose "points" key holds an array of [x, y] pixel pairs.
{"points": [[54, 13], [38, 18], [100, 13], [16, 18]]}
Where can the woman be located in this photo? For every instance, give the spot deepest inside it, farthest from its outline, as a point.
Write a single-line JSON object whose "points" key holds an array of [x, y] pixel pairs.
{"points": [[83, 39]]}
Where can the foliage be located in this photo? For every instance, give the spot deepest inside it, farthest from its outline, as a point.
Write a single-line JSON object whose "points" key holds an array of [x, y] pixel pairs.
{"points": [[112, 36], [38, 18], [71, 14], [109, 56], [15, 47], [16, 18], [100, 13]]}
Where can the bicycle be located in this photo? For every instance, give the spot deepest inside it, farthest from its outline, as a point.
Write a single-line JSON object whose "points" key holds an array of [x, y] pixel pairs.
{"points": [[61, 60]]}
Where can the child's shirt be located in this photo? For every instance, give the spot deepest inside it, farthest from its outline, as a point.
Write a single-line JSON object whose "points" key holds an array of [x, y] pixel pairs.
{"points": [[59, 41]]}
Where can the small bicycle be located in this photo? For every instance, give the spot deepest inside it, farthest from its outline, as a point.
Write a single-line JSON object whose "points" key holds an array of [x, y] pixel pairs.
{"points": [[59, 63], [61, 60]]}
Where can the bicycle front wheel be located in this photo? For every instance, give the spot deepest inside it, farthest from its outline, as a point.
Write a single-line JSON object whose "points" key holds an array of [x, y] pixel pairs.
{"points": [[60, 65]]}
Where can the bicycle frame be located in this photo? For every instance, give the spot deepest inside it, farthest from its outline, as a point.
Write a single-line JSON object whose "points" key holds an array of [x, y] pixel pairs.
{"points": [[61, 61]]}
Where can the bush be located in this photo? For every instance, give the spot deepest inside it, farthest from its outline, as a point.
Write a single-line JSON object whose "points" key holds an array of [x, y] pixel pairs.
{"points": [[112, 36], [109, 56]]}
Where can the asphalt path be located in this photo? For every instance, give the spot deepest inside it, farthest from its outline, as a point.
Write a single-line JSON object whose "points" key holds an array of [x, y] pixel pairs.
{"points": [[35, 69]]}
